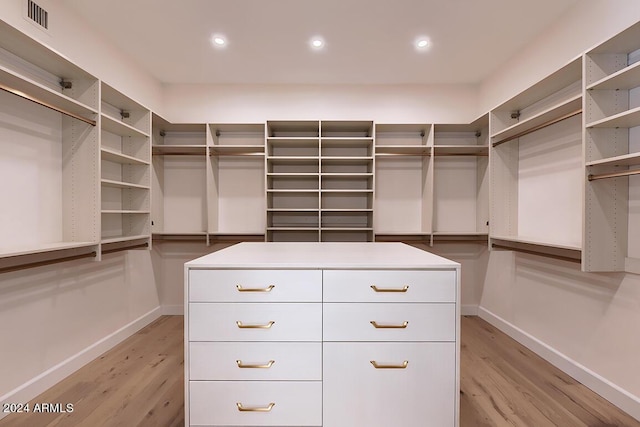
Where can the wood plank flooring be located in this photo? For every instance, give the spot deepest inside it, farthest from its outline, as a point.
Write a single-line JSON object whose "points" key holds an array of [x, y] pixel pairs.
{"points": [[140, 383]]}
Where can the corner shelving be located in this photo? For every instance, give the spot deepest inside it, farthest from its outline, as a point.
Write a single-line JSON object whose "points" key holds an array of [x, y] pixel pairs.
{"points": [[461, 181], [403, 200], [535, 164], [612, 154], [125, 127], [51, 213]]}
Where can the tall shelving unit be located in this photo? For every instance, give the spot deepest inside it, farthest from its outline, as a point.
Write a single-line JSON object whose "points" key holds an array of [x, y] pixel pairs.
{"points": [[235, 181], [49, 155], [125, 147], [535, 164], [404, 181], [319, 181], [179, 185], [346, 181], [292, 166], [612, 154], [461, 181]]}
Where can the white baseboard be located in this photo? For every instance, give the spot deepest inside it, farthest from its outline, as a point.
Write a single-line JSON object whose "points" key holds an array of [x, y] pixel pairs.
{"points": [[173, 310], [57, 373], [469, 310], [605, 388]]}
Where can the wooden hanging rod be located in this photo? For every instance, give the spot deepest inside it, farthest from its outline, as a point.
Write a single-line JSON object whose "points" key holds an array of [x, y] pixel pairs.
{"points": [[539, 253], [126, 248], [593, 177], [47, 262], [248, 154], [538, 127], [47, 105], [403, 154]]}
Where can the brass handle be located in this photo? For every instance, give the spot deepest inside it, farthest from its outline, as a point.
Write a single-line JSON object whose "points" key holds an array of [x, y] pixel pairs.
{"points": [[267, 289], [267, 326], [255, 409], [405, 288], [265, 366], [379, 326], [401, 366]]}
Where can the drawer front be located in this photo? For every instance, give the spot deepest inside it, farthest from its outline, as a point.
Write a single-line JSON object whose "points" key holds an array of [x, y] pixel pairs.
{"points": [[420, 394], [255, 322], [284, 361], [216, 403], [390, 286], [393, 322], [255, 285]]}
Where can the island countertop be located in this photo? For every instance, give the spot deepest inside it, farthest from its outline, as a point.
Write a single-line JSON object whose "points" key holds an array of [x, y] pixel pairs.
{"points": [[322, 255]]}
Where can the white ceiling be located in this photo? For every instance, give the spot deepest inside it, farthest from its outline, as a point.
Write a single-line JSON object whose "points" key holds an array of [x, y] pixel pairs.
{"points": [[367, 41]]}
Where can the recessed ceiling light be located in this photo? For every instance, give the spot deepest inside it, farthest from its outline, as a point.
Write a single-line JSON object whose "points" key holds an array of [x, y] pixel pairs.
{"points": [[317, 43], [422, 43], [218, 40]]}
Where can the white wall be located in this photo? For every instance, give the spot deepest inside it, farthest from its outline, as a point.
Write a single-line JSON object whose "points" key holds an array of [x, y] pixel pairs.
{"points": [[54, 319], [258, 103], [583, 26], [75, 40]]}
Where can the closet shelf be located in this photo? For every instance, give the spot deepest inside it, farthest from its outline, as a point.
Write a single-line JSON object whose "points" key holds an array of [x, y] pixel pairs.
{"points": [[530, 241], [120, 184], [45, 248], [565, 110], [402, 150], [236, 150], [632, 159], [35, 92], [461, 150], [626, 119], [121, 239], [114, 156], [123, 211], [118, 127], [179, 150], [346, 174], [625, 79]]}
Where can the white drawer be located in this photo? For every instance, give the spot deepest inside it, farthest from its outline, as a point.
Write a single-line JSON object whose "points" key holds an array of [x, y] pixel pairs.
{"points": [[355, 393], [227, 361], [391, 285], [255, 322], [216, 403], [255, 285], [424, 322]]}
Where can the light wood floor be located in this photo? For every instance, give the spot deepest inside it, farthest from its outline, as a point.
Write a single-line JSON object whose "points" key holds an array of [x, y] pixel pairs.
{"points": [[140, 383]]}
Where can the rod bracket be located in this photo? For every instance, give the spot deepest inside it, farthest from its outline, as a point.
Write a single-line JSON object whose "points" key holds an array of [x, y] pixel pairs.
{"points": [[124, 114], [515, 114], [66, 84]]}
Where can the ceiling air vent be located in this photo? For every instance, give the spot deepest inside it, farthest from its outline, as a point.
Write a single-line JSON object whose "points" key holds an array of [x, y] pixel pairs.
{"points": [[37, 14]]}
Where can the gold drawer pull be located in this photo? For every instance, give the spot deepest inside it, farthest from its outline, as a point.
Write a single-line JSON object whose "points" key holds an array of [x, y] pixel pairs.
{"points": [[402, 366], [267, 289], [379, 326], [265, 366], [405, 288], [258, 409], [267, 326]]}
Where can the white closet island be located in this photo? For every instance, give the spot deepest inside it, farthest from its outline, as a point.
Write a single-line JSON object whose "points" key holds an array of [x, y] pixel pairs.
{"points": [[322, 334]]}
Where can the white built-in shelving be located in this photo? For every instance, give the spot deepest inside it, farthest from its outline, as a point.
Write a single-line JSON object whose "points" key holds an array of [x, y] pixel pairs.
{"points": [[461, 181], [48, 157], [535, 166], [236, 181], [179, 184], [319, 177], [403, 180], [125, 192], [612, 154]]}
